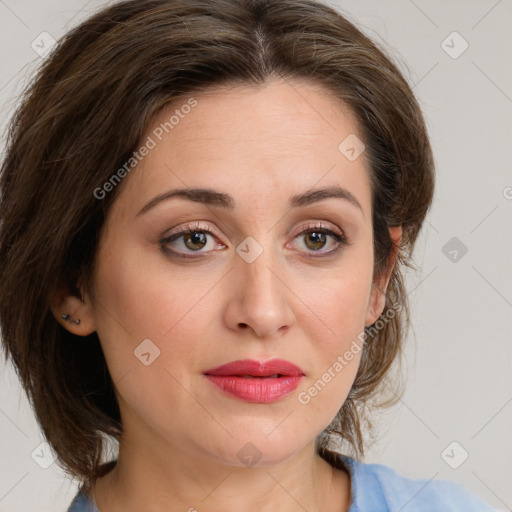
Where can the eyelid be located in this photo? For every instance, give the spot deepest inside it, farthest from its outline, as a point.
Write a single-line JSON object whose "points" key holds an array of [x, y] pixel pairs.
{"points": [[320, 225], [193, 226], [185, 229], [341, 240], [197, 226]]}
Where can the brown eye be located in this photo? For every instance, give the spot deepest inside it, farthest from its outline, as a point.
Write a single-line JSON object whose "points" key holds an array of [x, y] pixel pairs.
{"points": [[318, 241], [315, 240], [195, 240], [191, 241]]}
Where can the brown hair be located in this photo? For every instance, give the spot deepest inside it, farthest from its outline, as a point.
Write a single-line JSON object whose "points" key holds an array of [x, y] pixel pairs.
{"points": [[84, 115]]}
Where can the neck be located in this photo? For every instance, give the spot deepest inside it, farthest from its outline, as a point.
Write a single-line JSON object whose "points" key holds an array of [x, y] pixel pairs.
{"points": [[156, 480]]}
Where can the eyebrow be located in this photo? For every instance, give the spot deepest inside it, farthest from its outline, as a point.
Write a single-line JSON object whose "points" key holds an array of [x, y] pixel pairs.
{"points": [[218, 199]]}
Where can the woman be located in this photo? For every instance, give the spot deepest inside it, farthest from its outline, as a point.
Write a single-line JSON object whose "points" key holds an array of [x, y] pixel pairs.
{"points": [[206, 210]]}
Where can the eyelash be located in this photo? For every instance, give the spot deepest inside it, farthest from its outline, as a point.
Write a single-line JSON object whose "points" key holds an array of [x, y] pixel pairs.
{"points": [[340, 240]]}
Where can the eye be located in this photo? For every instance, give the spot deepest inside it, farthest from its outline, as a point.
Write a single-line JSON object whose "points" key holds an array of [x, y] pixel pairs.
{"points": [[317, 237], [190, 241], [197, 241]]}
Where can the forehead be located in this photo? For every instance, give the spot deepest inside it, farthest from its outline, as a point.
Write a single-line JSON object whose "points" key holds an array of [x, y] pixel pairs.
{"points": [[259, 140], [275, 113]]}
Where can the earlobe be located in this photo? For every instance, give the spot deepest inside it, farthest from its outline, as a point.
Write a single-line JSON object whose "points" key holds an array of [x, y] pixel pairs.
{"points": [[377, 300], [73, 313]]}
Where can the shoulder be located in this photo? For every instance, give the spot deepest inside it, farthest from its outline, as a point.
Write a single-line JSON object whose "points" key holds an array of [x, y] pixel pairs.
{"points": [[380, 488], [82, 503]]}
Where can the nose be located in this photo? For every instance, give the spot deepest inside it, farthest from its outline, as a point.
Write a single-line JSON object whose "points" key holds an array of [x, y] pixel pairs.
{"points": [[259, 297]]}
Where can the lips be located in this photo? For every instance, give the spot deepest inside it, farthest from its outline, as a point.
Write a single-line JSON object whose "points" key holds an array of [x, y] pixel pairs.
{"points": [[256, 382], [249, 368]]}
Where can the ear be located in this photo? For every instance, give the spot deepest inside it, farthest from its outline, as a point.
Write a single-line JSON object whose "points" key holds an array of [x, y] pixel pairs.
{"points": [[377, 299], [78, 314]]}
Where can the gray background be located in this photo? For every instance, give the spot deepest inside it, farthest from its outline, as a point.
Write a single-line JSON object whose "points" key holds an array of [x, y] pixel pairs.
{"points": [[458, 358]]}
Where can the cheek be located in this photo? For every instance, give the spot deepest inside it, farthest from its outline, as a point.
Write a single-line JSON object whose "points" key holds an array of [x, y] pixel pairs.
{"points": [[152, 378], [337, 302], [334, 322], [137, 300], [335, 358], [344, 303]]}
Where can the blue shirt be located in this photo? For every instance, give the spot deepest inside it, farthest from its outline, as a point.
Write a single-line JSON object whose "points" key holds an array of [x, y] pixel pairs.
{"points": [[379, 488]]}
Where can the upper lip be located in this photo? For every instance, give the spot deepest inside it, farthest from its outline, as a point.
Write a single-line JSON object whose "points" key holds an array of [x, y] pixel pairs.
{"points": [[256, 368]]}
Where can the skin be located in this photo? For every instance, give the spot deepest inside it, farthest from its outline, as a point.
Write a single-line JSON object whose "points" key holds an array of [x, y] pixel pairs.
{"points": [[181, 434]]}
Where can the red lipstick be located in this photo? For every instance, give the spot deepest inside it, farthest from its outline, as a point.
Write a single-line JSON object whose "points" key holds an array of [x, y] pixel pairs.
{"points": [[254, 381]]}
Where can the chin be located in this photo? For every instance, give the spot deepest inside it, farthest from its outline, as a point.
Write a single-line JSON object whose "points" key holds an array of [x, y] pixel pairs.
{"points": [[257, 450]]}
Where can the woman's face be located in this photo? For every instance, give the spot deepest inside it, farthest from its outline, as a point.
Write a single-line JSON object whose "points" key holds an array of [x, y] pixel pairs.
{"points": [[247, 283]]}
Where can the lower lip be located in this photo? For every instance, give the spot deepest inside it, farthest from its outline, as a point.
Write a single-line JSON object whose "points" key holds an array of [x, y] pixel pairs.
{"points": [[256, 390]]}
